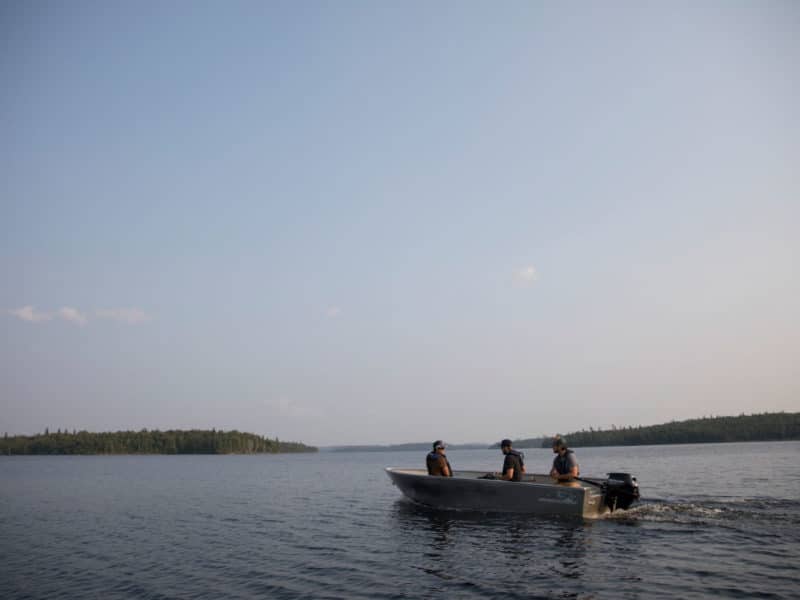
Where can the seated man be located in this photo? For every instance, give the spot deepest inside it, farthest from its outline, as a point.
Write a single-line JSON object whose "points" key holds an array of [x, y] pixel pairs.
{"points": [[565, 465], [513, 463], [437, 462]]}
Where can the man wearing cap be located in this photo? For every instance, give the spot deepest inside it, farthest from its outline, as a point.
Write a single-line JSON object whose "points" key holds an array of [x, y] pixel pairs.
{"points": [[513, 463], [565, 464], [437, 462]]}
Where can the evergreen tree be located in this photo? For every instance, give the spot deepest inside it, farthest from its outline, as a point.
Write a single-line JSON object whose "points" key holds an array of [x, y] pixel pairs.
{"points": [[142, 442]]}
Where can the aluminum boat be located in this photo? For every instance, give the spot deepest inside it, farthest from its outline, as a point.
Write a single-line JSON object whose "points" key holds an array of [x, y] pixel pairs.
{"points": [[535, 494]]}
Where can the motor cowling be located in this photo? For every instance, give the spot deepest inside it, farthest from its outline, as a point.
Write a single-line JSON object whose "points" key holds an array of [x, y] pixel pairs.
{"points": [[620, 490]]}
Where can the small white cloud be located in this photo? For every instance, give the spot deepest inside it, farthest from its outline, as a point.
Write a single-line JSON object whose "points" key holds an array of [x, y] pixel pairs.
{"points": [[526, 276], [71, 314], [333, 311], [30, 314], [126, 315]]}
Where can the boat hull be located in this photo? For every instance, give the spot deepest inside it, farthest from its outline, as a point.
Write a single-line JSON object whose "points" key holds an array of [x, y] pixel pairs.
{"points": [[536, 494]]}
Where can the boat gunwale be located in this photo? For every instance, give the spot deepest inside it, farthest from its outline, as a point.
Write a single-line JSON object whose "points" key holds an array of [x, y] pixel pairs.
{"points": [[470, 475]]}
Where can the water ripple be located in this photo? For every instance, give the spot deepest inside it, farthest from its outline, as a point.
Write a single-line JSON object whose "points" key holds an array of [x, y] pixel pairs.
{"points": [[239, 527]]}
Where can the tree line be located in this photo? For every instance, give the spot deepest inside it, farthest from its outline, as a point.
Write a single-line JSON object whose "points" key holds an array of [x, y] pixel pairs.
{"points": [[173, 441], [744, 428]]}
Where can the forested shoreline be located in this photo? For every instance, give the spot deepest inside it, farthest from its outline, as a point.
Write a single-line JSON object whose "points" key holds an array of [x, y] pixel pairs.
{"points": [[194, 441], [743, 428]]}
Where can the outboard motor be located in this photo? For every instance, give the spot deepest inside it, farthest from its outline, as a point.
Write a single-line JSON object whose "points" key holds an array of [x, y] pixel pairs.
{"points": [[620, 490]]}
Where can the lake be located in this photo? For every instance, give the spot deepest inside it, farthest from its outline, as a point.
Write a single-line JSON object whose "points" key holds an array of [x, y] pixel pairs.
{"points": [[716, 520]]}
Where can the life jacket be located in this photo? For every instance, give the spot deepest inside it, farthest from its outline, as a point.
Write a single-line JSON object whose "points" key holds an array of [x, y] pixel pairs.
{"points": [[562, 465], [519, 455], [434, 466], [517, 469]]}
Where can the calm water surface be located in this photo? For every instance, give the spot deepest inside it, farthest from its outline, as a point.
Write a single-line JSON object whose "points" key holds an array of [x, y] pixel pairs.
{"points": [[717, 520]]}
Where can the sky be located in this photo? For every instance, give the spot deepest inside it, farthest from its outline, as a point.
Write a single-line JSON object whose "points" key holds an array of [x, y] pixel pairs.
{"points": [[384, 222]]}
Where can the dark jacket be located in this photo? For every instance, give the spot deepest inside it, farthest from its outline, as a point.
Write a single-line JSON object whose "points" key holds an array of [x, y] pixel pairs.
{"points": [[436, 463], [513, 460]]}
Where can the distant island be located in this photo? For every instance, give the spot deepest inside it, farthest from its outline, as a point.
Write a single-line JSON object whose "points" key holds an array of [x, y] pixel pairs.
{"points": [[173, 441], [744, 428]]}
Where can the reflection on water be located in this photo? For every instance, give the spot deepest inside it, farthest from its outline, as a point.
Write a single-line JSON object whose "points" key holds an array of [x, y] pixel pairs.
{"points": [[571, 547], [499, 547], [542, 556], [417, 519]]}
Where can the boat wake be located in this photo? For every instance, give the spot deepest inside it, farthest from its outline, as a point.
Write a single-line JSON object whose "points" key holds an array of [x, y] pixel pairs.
{"points": [[655, 511], [734, 512]]}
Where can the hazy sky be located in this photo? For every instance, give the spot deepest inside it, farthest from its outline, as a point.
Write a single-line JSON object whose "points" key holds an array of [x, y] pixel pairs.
{"points": [[360, 222]]}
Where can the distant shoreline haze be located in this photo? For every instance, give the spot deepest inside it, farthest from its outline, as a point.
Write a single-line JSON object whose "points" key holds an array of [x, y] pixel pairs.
{"points": [[195, 441], [396, 447]]}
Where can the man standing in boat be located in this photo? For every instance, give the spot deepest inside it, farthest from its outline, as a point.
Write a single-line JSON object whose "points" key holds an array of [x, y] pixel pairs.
{"points": [[513, 463], [437, 462], [565, 464]]}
